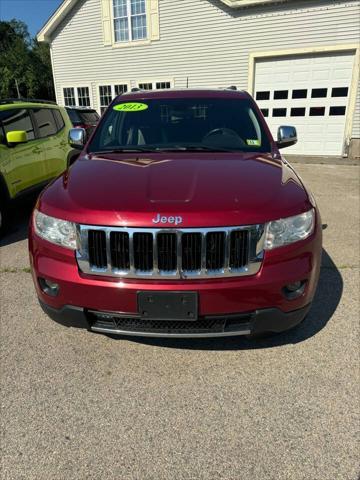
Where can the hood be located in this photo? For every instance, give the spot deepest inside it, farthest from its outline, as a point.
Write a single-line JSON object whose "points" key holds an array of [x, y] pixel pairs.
{"points": [[204, 189]]}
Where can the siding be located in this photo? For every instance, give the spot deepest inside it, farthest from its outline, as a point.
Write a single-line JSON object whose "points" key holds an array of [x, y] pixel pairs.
{"points": [[200, 40]]}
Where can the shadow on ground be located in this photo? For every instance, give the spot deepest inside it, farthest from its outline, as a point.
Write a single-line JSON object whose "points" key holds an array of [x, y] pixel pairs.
{"points": [[326, 300], [17, 229]]}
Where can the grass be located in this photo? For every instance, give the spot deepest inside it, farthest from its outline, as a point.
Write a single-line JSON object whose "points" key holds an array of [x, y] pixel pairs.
{"points": [[15, 270]]}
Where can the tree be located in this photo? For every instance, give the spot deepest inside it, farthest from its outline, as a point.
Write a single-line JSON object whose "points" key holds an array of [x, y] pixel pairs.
{"points": [[25, 64]]}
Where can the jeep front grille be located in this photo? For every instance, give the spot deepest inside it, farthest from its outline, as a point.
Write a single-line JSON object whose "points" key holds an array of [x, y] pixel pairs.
{"points": [[170, 253]]}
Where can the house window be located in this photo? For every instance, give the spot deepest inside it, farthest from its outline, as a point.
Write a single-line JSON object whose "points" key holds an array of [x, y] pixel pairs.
{"points": [[161, 84], [108, 92], [69, 97], [105, 97], [83, 96], [129, 20], [146, 86], [119, 89], [76, 97]]}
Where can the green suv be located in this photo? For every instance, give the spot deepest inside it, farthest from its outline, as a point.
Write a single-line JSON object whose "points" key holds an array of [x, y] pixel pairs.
{"points": [[34, 148]]}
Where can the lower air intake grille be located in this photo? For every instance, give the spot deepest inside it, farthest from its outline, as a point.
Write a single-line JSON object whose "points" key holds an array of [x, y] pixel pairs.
{"points": [[137, 325], [208, 325]]}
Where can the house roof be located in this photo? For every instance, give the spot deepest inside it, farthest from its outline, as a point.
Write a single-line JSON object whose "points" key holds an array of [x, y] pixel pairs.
{"points": [[249, 3], [44, 34], [60, 13]]}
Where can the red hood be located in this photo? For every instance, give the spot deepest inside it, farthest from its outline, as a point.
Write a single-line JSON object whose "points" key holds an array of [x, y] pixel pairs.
{"points": [[205, 189]]}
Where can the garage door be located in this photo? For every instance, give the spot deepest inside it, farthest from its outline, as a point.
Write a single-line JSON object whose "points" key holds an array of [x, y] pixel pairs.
{"points": [[310, 92]]}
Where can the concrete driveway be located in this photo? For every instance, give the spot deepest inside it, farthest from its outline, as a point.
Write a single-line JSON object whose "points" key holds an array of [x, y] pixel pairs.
{"points": [[77, 405]]}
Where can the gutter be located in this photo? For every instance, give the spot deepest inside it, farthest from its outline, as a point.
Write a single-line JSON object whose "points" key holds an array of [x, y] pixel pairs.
{"points": [[249, 3]]}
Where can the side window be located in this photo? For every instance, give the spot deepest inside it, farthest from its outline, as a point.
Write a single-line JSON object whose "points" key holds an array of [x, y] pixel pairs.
{"points": [[18, 119], [45, 122], [59, 119]]}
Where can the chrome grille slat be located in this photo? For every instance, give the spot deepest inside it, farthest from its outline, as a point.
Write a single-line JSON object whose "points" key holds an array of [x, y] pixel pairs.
{"points": [[170, 253]]}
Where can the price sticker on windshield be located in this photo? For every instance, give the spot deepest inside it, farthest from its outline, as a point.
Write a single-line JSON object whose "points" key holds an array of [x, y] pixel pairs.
{"points": [[131, 107], [253, 142]]}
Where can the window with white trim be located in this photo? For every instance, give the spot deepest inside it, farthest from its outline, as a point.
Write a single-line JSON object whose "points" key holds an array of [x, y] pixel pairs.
{"points": [[154, 85], [83, 96], [120, 89], [69, 97], [76, 96], [146, 86], [162, 85], [129, 20], [105, 97], [108, 92]]}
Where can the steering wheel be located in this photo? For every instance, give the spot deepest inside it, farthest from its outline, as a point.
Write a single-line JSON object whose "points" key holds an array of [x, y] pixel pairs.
{"points": [[221, 131]]}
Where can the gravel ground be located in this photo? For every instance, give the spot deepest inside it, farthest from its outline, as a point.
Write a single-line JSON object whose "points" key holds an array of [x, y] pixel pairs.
{"points": [[79, 406]]}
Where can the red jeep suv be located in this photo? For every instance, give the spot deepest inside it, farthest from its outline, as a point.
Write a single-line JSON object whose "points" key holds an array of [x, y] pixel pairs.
{"points": [[179, 219]]}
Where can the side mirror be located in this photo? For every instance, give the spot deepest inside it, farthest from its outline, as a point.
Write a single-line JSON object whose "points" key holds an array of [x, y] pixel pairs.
{"points": [[16, 136], [77, 138], [286, 136]]}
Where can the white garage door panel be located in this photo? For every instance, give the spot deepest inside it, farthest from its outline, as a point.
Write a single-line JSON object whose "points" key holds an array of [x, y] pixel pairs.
{"points": [[319, 114]]}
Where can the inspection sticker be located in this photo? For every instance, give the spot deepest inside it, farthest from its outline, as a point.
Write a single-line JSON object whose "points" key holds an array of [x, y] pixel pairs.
{"points": [[253, 142], [131, 107]]}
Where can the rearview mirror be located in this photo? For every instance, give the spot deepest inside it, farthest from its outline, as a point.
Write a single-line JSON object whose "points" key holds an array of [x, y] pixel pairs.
{"points": [[286, 136], [16, 136], [77, 138]]}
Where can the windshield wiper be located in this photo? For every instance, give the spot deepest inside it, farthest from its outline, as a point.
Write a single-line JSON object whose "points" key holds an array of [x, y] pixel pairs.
{"points": [[193, 148], [124, 150], [172, 148]]}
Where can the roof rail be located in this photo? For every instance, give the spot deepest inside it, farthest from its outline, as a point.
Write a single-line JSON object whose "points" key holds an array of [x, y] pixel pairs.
{"points": [[232, 87], [137, 89], [28, 100]]}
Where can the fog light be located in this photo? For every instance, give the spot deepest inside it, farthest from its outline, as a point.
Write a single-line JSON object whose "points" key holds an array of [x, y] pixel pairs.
{"points": [[292, 287], [49, 287], [294, 290]]}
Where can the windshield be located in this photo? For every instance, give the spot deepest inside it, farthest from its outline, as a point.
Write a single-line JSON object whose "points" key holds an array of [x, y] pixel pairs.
{"points": [[78, 116], [181, 124]]}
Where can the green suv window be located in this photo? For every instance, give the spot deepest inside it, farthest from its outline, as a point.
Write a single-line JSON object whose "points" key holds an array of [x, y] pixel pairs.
{"points": [[45, 122], [18, 119]]}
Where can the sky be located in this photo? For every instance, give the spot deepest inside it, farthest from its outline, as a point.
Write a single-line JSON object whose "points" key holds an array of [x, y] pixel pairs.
{"points": [[34, 13]]}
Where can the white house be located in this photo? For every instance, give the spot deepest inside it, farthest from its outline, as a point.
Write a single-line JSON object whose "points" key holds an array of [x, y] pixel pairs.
{"points": [[299, 59]]}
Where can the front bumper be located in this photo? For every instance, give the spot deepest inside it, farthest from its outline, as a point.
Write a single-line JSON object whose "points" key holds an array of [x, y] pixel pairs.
{"points": [[252, 323], [226, 306]]}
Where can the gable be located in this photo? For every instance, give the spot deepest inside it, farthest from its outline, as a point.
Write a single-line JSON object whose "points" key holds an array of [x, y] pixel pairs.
{"points": [[67, 5], [45, 33]]}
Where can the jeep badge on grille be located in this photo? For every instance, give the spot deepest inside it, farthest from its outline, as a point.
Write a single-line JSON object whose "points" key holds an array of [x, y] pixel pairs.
{"points": [[163, 219]]}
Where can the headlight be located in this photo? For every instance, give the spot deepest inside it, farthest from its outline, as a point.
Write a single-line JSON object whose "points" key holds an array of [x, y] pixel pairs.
{"points": [[289, 230], [55, 230]]}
